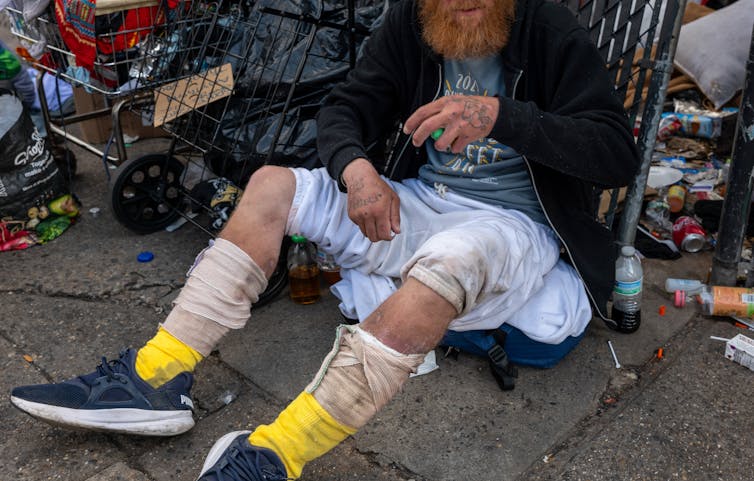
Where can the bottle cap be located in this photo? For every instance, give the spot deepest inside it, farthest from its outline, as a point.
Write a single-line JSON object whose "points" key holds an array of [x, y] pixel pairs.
{"points": [[627, 251], [298, 239], [145, 256], [679, 299]]}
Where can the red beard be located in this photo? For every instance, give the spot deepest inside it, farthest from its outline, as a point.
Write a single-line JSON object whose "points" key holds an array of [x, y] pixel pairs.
{"points": [[456, 38]]}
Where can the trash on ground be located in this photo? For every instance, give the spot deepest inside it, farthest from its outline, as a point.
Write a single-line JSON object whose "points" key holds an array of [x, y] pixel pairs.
{"points": [[612, 351], [145, 256], [740, 349]]}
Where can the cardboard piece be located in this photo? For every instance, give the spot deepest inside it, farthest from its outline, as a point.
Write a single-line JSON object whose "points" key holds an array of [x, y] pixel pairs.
{"points": [[605, 201], [182, 96], [97, 131]]}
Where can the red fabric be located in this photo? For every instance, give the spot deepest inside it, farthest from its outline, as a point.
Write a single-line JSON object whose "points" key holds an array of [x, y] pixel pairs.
{"points": [[80, 43], [138, 24]]}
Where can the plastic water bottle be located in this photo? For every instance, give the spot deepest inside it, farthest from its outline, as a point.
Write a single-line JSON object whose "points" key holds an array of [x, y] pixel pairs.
{"points": [[303, 273], [627, 291], [689, 286]]}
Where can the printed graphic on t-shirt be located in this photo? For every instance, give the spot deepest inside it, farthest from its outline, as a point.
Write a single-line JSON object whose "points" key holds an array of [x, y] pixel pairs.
{"points": [[480, 152], [485, 170], [484, 152]]}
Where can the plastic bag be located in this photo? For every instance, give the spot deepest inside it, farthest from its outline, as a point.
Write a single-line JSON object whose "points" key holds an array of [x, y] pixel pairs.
{"points": [[29, 176]]}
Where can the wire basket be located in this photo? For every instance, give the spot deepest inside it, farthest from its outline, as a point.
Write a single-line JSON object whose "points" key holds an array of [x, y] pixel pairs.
{"points": [[248, 79], [96, 48], [238, 85]]}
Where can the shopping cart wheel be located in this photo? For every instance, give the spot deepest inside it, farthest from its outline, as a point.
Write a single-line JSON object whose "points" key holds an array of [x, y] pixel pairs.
{"points": [[279, 278], [146, 192]]}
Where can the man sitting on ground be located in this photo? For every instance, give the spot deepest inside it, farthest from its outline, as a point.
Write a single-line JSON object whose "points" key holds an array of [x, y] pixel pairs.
{"points": [[469, 224]]}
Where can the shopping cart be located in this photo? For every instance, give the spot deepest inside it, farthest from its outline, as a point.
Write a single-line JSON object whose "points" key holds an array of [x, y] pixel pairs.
{"points": [[237, 85], [98, 50]]}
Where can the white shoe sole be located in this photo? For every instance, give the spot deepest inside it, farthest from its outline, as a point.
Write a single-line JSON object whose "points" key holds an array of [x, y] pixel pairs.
{"points": [[218, 449], [118, 420]]}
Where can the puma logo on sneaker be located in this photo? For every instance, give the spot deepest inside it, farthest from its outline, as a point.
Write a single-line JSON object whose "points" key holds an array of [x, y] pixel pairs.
{"points": [[185, 400]]}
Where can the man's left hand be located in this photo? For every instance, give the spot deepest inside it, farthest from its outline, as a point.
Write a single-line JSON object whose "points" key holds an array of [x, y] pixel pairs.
{"points": [[463, 118]]}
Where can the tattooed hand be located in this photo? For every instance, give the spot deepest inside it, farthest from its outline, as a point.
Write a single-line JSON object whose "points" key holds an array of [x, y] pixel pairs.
{"points": [[372, 204], [464, 118]]}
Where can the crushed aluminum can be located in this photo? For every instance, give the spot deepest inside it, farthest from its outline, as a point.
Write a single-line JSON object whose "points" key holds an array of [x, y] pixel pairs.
{"points": [[688, 234]]}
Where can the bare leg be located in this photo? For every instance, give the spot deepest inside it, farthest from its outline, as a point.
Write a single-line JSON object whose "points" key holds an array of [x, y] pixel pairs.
{"points": [[411, 321], [257, 225]]}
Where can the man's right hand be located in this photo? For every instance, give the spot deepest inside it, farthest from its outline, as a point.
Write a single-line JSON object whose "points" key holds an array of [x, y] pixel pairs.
{"points": [[372, 204]]}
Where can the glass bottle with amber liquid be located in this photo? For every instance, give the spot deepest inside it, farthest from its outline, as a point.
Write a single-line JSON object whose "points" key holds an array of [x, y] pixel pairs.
{"points": [[303, 272]]}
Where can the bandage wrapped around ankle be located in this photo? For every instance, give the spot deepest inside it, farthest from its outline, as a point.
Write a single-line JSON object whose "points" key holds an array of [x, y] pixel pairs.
{"points": [[360, 376], [222, 285]]}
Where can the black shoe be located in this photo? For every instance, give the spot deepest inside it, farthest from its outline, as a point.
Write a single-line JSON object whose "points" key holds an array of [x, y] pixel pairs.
{"points": [[232, 458], [113, 398]]}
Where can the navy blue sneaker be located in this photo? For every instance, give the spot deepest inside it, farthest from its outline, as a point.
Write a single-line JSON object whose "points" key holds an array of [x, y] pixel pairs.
{"points": [[113, 398], [232, 458]]}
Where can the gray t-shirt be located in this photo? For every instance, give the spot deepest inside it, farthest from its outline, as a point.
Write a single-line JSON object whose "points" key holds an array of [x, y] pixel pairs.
{"points": [[486, 170]]}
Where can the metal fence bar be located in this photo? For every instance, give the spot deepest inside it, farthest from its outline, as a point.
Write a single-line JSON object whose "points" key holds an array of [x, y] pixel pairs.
{"points": [[650, 123], [737, 201]]}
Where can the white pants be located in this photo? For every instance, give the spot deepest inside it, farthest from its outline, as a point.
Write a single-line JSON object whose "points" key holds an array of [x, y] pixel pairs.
{"points": [[494, 265]]}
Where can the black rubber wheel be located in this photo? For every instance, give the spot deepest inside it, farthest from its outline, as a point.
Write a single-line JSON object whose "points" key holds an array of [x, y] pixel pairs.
{"points": [[279, 278], [146, 192]]}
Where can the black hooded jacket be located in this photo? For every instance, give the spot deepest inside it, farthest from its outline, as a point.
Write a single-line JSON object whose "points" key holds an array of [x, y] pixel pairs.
{"points": [[561, 115]]}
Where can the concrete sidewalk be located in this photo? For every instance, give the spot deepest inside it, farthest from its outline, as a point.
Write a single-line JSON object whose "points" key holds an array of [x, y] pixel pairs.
{"points": [[84, 295]]}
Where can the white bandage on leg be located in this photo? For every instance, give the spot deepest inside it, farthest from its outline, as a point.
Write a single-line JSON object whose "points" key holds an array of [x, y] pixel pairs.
{"points": [[220, 288], [360, 376]]}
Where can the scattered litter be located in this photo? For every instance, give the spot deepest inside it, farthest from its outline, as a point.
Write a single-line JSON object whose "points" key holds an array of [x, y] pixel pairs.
{"points": [[715, 338], [127, 139], [429, 365], [145, 256], [747, 323], [660, 353], [28, 358], [662, 310], [740, 349], [94, 211], [180, 221], [547, 458], [227, 397], [615, 358]]}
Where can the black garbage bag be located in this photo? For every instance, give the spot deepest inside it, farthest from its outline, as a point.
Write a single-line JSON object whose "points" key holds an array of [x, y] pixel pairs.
{"points": [[281, 55], [286, 56], [29, 175], [251, 139]]}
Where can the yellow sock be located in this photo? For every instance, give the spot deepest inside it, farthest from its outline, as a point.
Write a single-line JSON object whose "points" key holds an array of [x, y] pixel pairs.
{"points": [[163, 358], [302, 432]]}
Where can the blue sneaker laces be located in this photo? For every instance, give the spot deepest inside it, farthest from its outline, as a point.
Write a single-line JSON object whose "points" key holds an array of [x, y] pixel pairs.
{"points": [[110, 369]]}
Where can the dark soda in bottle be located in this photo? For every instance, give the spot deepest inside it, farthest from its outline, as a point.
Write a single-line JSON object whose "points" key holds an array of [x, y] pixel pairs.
{"points": [[629, 278]]}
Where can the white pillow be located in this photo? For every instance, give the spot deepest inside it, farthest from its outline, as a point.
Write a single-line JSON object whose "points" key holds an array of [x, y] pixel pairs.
{"points": [[713, 50]]}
